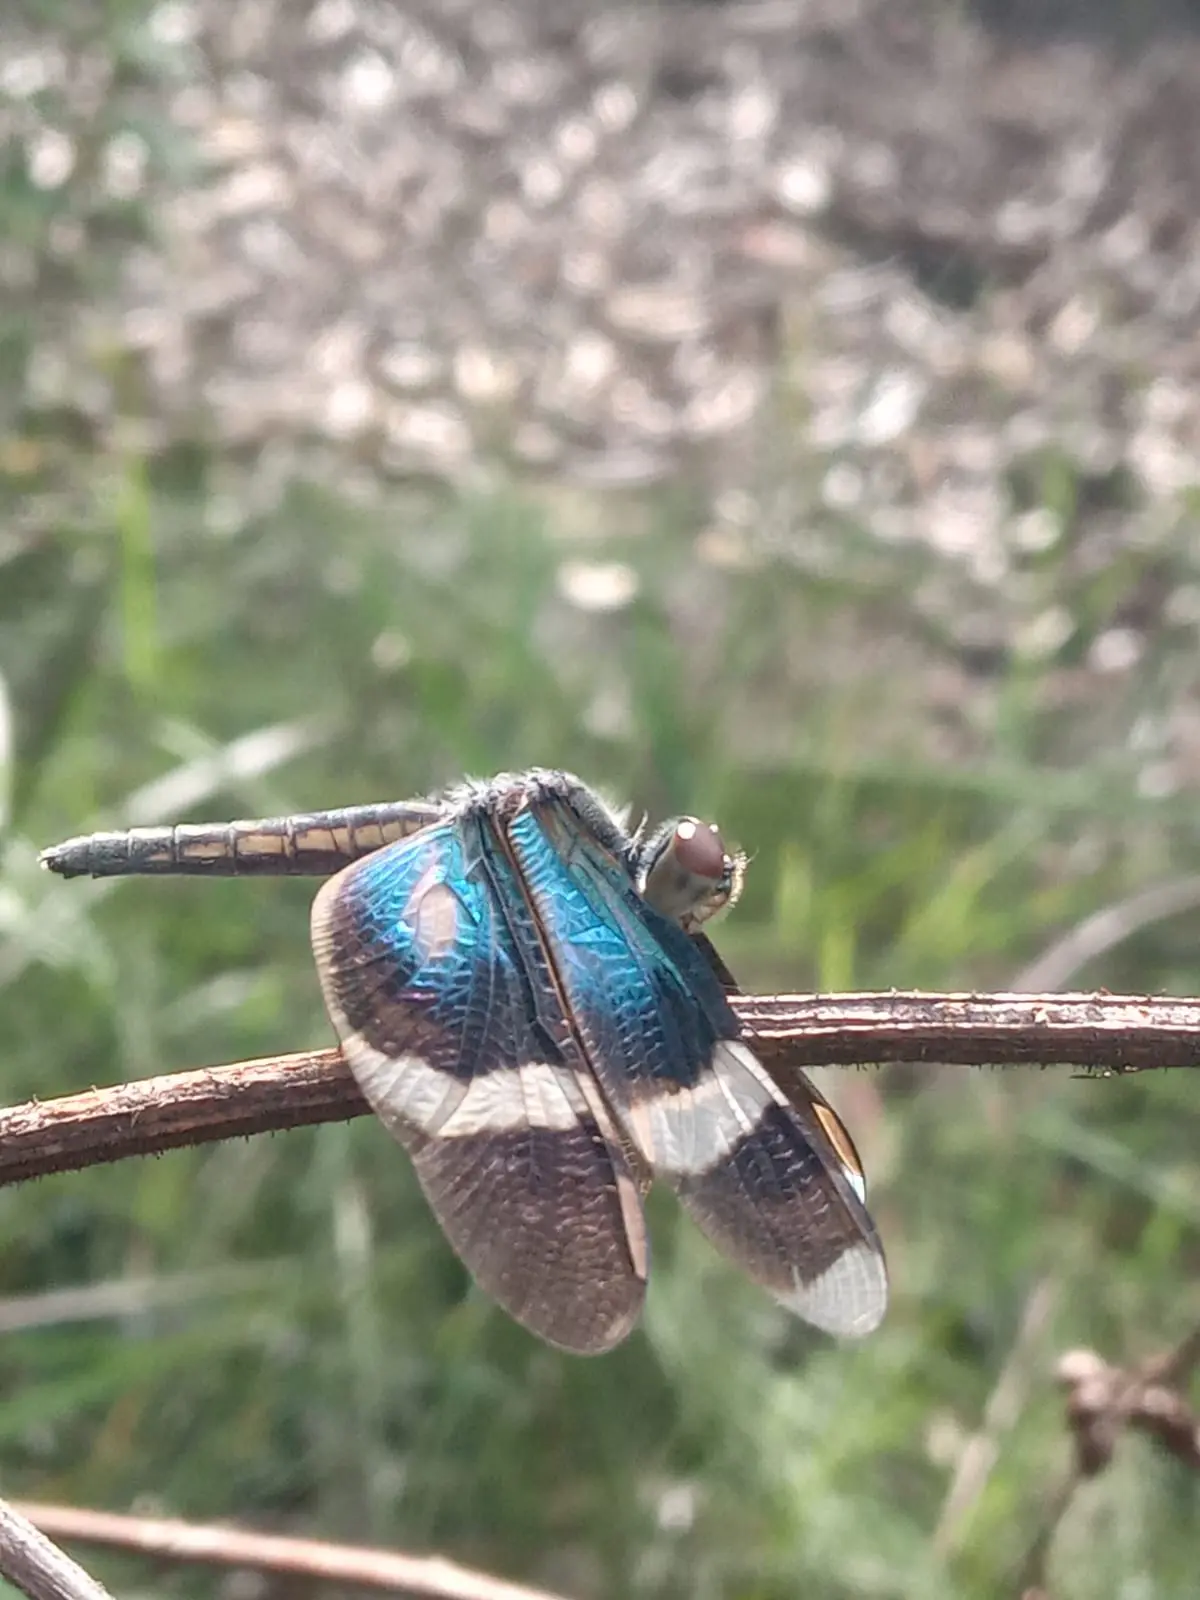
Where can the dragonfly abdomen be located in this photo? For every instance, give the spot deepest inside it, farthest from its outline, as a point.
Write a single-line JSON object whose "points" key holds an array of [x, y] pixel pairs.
{"points": [[312, 845]]}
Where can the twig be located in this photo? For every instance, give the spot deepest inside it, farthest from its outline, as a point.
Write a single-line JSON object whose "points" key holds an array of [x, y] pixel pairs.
{"points": [[1108, 1033], [1102, 1401], [38, 1568], [431, 1577]]}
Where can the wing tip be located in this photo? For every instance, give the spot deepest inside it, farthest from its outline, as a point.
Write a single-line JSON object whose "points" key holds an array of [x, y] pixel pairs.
{"points": [[603, 1342], [849, 1300]]}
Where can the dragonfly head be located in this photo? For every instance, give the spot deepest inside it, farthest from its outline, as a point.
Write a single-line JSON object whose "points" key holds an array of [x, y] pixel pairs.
{"points": [[684, 870]]}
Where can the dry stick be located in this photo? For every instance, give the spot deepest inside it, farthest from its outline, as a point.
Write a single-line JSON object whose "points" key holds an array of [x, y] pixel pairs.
{"points": [[38, 1568], [1110, 1033], [430, 1577], [1103, 1401]]}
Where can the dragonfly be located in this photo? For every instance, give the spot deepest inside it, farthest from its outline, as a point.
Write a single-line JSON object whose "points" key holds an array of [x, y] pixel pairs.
{"points": [[524, 991]]}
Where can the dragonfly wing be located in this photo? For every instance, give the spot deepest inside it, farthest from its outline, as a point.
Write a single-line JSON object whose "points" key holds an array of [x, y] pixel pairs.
{"points": [[454, 1031], [766, 1178]]}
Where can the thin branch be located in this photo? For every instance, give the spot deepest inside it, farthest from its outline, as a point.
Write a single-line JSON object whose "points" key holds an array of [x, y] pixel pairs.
{"points": [[38, 1568], [1102, 1402], [430, 1577], [1105, 1033]]}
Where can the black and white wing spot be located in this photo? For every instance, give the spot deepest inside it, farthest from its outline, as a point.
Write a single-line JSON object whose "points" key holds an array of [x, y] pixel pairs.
{"points": [[768, 1187]]}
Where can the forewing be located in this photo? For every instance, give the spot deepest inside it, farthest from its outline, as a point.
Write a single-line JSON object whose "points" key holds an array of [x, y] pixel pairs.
{"points": [[449, 1020], [760, 1174]]}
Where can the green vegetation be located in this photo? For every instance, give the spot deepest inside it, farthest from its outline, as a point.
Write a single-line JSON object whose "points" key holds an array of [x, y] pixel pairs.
{"points": [[184, 634], [355, 1385]]}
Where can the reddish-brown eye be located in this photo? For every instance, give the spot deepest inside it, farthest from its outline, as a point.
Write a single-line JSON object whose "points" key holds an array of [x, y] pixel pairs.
{"points": [[698, 849]]}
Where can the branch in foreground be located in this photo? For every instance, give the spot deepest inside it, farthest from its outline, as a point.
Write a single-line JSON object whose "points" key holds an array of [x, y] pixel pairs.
{"points": [[430, 1577], [1107, 1033], [38, 1568]]}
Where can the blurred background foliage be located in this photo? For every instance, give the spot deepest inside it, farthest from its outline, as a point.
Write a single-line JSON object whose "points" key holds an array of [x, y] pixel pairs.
{"points": [[941, 759]]}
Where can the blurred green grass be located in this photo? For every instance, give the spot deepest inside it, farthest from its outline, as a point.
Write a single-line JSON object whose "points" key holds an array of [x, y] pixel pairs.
{"points": [[182, 634], [326, 654]]}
